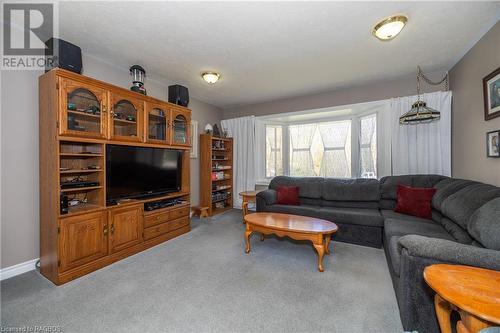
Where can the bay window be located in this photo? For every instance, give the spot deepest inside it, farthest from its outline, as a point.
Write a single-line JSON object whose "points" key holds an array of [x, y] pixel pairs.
{"points": [[343, 148]]}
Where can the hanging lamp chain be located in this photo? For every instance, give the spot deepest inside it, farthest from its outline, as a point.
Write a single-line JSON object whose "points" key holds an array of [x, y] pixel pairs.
{"points": [[421, 75]]}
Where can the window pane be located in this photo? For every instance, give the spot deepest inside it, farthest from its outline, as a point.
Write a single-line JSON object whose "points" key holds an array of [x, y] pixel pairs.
{"points": [[301, 155], [274, 149], [336, 138], [368, 146]]}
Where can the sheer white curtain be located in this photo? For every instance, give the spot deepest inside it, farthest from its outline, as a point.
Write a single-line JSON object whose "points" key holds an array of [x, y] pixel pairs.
{"points": [[422, 148], [243, 132]]}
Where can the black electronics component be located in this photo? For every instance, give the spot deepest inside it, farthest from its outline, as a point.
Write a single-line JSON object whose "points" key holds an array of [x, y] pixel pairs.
{"points": [[153, 205], [141, 172], [65, 55], [63, 204], [77, 184], [178, 94]]}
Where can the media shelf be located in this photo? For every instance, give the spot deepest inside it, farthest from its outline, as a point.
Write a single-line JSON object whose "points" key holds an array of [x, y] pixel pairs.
{"points": [[78, 117], [216, 173]]}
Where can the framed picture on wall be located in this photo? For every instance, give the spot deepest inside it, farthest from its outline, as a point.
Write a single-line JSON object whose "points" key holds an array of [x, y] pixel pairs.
{"points": [[194, 139], [491, 92], [493, 144]]}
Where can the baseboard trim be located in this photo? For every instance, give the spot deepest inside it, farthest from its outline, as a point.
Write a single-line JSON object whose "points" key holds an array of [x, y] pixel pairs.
{"points": [[21, 268]]}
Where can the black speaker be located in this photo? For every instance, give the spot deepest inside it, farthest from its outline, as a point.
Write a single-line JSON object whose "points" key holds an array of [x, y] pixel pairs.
{"points": [[63, 204], [66, 55], [178, 94]]}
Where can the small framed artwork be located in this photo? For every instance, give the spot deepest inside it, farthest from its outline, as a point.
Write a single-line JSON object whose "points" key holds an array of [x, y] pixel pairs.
{"points": [[491, 92], [493, 144], [194, 139]]}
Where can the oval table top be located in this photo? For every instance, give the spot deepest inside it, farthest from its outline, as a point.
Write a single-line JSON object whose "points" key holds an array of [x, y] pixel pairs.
{"points": [[289, 222], [474, 290]]}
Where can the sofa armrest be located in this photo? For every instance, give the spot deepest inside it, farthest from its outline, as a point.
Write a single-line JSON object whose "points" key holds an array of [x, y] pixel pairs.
{"points": [[449, 252], [266, 198]]}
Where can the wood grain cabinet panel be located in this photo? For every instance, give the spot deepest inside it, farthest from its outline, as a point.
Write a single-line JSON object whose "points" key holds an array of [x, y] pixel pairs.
{"points": [[125, 228], [82, 239]]}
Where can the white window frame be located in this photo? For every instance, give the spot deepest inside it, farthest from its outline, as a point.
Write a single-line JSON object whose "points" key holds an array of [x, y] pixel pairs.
{"points": [[383, 141]]}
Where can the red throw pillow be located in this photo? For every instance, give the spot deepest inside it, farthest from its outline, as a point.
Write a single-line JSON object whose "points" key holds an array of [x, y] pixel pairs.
{"points": [[415, 201], [288, 195]]}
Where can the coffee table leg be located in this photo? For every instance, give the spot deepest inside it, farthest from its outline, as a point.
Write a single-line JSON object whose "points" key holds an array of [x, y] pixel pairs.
{"points": [[247, 240], [261, 237], [320, 248], [327, 244]]}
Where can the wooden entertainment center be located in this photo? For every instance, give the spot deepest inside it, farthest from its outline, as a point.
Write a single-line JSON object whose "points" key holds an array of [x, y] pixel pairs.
{"points": [[79, 116]]}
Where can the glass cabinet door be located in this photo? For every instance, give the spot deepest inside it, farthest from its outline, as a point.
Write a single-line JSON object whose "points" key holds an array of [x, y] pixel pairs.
{"points": [[83, 108], [181, 123], [126, 119], [157, 123]]}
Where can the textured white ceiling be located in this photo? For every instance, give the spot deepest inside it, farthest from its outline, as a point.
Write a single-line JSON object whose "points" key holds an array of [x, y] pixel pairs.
{"points": [[271, 50]]}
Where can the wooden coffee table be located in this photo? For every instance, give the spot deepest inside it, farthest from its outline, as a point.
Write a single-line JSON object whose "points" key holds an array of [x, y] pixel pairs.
{"points": [[294, 226]]}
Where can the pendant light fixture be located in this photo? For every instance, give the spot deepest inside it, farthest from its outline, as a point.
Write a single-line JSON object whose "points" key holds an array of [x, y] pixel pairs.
{"points": [[420, 112]]}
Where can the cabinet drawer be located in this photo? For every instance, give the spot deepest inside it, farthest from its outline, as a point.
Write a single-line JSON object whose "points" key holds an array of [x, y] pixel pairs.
{"points": [[179, 212], [165, 227], [150, 220]]}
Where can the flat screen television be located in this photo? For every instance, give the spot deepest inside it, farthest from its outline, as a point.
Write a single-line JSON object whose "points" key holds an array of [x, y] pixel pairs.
{"points": [[140, 172]]}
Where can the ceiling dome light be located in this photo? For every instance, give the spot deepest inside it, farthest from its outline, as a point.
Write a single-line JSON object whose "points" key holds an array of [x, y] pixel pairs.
{"points": [[390, 27], [210, 77]]}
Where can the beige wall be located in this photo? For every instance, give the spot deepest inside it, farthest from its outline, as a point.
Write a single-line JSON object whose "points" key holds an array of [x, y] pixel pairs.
{"points": [[468, 125], [19, 152], [403, 86]]}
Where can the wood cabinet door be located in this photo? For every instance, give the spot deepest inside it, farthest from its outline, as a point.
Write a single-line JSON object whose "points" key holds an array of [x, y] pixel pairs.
{"points": [[125, 227], [83, 109], [126, 117], [181, 127], [157, 123], [82, 239]]}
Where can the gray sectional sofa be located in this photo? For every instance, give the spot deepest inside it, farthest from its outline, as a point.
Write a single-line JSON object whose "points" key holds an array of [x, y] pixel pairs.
{"points": [[464, 229]]}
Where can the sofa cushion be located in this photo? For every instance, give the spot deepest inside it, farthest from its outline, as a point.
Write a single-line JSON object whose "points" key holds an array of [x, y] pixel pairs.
{"points": [[351, 190], [388, 185], [358, 216], [402, 227], [460, 206], [304, 210], [350, 204], [460, 235], [484, 225], [415, 201], [390, 214], [309, 187], [447, 187], [288, 195]]}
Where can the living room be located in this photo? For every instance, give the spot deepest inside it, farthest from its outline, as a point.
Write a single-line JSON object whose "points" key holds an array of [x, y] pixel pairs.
{"points": [[250, 166]]}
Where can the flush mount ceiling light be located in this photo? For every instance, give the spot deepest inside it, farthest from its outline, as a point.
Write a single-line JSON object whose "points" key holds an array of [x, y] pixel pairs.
{"points": [[420, 112], [390, 27], [210, 77]]}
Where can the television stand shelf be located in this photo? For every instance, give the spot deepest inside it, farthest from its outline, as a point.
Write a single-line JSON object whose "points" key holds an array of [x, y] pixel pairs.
{"points": [[79, 117]]}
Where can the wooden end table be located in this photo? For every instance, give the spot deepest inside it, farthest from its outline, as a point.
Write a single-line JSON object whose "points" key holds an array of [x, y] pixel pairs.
{"points": [[297, 227], [473, 292], [247, 196]]}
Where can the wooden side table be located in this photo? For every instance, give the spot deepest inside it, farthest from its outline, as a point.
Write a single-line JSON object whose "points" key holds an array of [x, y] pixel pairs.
{"points": [[247, 196], [473, 292]]}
